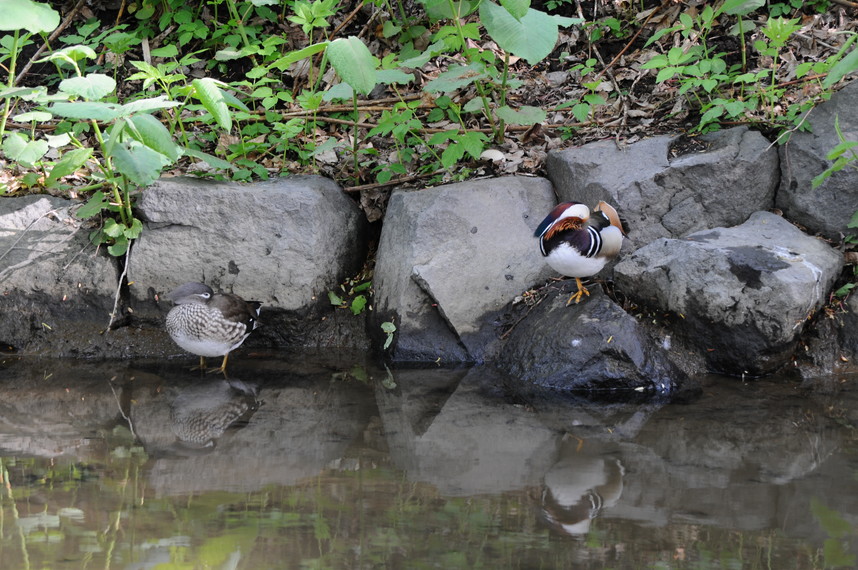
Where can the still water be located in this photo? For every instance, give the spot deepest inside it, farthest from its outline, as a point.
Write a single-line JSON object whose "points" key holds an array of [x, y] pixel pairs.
{"points": [[329, 462]]}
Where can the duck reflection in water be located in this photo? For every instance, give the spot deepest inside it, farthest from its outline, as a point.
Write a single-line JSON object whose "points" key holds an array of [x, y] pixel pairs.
{"points": [[200, 414], [578, 487]]}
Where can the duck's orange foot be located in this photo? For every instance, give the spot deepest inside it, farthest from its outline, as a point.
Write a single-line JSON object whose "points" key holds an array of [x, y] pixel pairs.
{"points": [[579, 294]]}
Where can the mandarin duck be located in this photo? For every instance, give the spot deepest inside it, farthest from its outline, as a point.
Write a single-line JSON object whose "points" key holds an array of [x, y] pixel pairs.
{"points": [[576, 244], [206, 323]]}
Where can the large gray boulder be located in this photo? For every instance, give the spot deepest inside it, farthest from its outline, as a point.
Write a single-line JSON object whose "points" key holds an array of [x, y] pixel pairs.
{"points": [[450, 257], [828, 208], [743, 294], [672, 186], [57, 288], [284, 242], [594, 346]]}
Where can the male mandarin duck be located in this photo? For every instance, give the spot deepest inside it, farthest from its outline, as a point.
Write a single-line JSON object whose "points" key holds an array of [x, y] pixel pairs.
{"points": [[206, 323], [576, 244]]}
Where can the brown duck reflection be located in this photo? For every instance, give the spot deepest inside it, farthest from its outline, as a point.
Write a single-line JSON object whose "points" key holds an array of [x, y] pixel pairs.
{"points": [[200, 414], [578, 487]]}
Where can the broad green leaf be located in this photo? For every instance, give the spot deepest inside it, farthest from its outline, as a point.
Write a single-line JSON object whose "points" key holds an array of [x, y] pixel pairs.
{"points": [[420, 60], [358, 304], [71, 161], [455, 78], [531, 37], [516, 8], [655, 62], [146, 105], [665, 74], [581, 111], [211, 96], [524, 116], [390, 29], [24, 151], [96, 203], [35, 116], [112, 229], [298, 55], [340, 91], [209, 159], [388, 76], [35, 17], [232, 101], [140, 164], [473, 142], [58, 141], [87, 110], [91, 87], [20, 92], [846, 65], [441, 9], [76, 52], [843, 291], [353, 63], [741, 7], [119, 247], [149, 131], [134, 231], [166, 51], [335, 299], [229, 54]]}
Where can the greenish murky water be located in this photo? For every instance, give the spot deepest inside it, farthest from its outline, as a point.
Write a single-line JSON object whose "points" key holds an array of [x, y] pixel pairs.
{"points": [[304, 462]]}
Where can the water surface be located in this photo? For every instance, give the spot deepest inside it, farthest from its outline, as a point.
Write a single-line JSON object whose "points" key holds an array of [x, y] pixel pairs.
{"points": [[301, 461]]}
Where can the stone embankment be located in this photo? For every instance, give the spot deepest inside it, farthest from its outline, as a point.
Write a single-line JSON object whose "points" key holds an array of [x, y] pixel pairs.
{"points": [[731, 257]]}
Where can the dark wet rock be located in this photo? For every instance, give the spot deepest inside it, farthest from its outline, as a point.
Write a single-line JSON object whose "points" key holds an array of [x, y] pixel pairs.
{"points": [[743, 294], [57, 290], [451, 256], [593, 346], [831, 343], [672, 186], [828, 208], [285, 243]]}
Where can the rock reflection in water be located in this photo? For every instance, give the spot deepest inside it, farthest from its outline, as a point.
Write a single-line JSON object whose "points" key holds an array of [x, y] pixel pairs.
{"points": [[318, 465]]}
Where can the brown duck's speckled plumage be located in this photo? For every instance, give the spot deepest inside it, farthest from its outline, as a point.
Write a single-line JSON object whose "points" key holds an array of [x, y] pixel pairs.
{"points": [[210, 324]]}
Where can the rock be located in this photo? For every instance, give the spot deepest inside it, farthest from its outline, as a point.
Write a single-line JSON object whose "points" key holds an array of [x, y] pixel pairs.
{"points": [[672, 186], [828, 208], [593, 346], [285, 243], [451, 256], [831, 344], [57, 288], [743, 293]]}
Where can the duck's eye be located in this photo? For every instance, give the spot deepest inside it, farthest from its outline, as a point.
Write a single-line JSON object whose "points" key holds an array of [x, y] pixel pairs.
{"points": [[205, 295]]}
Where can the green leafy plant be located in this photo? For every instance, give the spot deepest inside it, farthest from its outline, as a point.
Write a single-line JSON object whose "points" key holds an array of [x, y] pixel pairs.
{"points": [[133, 145], [729, 92]]}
